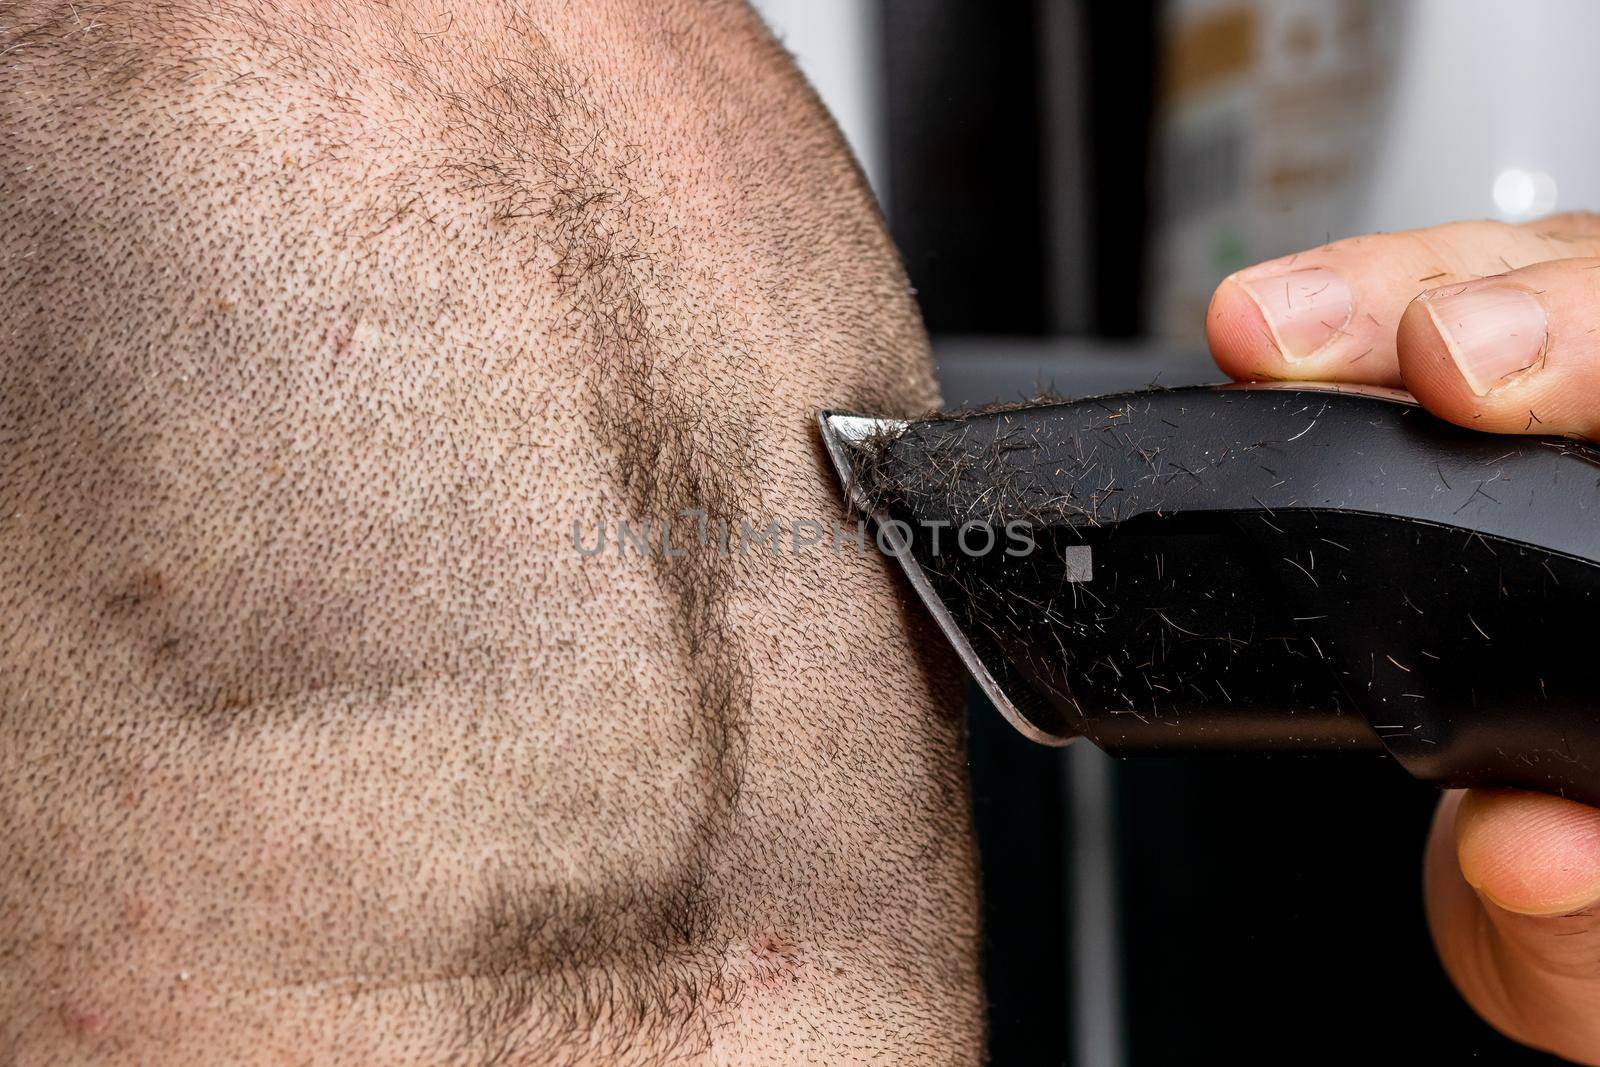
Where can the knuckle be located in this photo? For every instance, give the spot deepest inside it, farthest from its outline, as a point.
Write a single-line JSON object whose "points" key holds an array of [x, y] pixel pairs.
{"points": [[1467, 249]]}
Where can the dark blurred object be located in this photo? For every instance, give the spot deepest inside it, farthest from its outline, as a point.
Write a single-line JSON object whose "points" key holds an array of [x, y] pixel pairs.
{"points": [[964, 162], [1272, 913], [1119, 62], [1019, 157], [1270, 910], [1018, 810]]}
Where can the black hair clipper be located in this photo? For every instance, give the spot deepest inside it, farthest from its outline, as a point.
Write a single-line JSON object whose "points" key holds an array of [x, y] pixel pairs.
{"points": [[1253, 568]]}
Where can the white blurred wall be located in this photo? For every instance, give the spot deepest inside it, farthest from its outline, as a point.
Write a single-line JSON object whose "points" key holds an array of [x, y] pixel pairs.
{"points": [[836, 43], [1492, 114], [1286, 123]]}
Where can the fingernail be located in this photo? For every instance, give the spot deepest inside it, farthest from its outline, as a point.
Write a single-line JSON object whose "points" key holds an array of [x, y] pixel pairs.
{"points": [[1305, 309], [1493, 330]]}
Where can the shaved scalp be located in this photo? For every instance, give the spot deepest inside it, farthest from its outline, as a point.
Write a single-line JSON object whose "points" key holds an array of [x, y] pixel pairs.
{"points": [[321, 324]]}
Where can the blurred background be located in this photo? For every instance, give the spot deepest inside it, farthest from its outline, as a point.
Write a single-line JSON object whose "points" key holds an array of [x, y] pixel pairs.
{"points": [[1068, 181]]}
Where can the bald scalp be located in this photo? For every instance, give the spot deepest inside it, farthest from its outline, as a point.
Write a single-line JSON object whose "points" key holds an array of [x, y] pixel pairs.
{"points": [[321, 322], [368, 214]]}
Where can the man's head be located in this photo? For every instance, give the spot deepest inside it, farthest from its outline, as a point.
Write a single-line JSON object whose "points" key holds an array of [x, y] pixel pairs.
{"points": [[324, 323]]}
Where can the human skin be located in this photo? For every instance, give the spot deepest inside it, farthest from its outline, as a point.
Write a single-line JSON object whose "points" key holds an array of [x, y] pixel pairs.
{"points": [[320, 743], [1495, 327]]}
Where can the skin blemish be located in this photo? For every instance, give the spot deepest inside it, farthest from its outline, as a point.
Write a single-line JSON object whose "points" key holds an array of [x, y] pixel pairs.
{"points": [[84, 1020], [137, 910], [775, 962]]}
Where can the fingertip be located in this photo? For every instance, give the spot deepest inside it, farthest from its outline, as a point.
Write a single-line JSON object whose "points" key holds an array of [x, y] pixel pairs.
{"points": [[1513, 353], [1279, 322], [1529, 853], [1238, 335], [1429, 372]]}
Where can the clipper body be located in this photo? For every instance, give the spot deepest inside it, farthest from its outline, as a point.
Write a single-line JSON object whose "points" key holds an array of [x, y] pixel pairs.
{"points": [[1259, 568]]}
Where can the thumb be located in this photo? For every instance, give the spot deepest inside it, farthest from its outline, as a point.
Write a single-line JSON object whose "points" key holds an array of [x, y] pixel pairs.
{"points": [[1513, 886], [1513, 353]]}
